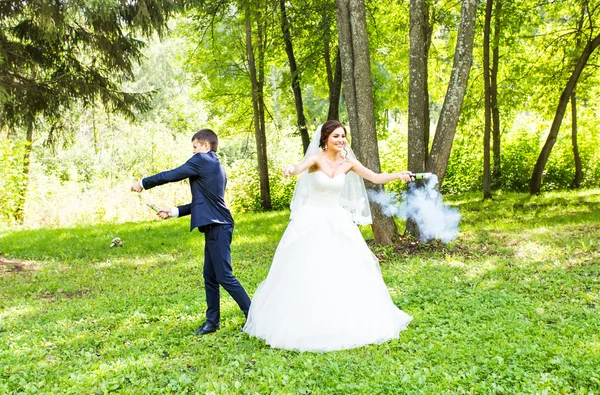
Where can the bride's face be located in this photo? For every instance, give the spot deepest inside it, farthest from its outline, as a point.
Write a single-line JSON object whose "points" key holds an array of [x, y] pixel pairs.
{"points": [[337, 140]]}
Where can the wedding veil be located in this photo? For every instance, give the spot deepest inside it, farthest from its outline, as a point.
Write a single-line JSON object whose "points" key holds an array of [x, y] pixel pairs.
{"points": [[353, 196]]}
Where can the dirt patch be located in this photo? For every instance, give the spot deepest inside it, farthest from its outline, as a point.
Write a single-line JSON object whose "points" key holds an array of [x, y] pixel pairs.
{"points": [[409, 246], [59, 293], [15, 265]]}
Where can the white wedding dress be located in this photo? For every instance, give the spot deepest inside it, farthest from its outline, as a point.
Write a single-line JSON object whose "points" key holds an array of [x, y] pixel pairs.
{"points": [[324, 290]]}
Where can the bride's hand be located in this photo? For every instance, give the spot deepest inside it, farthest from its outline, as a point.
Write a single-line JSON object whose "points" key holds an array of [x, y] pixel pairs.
{"points": [[288, 170], [405, 176]]}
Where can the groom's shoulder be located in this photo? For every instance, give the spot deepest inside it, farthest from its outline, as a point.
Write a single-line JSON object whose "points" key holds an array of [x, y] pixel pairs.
{"points": [[205, 156], [205, 159]]}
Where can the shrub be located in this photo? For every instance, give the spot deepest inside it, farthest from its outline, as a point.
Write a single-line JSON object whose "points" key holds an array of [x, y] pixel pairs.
{"points": [[518, 157], [12, 179], [243, 187]]}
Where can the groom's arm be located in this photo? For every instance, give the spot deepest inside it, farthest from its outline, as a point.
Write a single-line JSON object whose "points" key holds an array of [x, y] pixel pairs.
{"points": [[187, 170], [175, 212], [182, 211]]}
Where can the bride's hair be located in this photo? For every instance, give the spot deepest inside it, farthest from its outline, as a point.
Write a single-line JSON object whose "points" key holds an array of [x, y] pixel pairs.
{"points": [[328, 128]]}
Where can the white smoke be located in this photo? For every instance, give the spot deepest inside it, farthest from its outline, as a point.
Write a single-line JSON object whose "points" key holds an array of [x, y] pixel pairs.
{"points": [[425, 207]]}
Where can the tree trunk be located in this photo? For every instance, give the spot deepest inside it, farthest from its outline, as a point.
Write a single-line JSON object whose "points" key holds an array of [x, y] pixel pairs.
{"points": [[487, 131], [95, 133], [20, 211], [334, 75], [289, 49], [576, 184], [258, 112], [426, 117], [463, 58], [418, 94], [497, 168], [347, 62], [358, 96], [335, 87], [536, 177]]}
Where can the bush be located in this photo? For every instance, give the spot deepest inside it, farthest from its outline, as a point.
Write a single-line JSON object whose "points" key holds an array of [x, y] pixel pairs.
{"points": [[12, 179], [465, 166], [243, 186], [518, 158]]}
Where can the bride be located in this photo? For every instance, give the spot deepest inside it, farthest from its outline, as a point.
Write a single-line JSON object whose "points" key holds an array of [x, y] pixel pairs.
{"points": [[324, 290]]}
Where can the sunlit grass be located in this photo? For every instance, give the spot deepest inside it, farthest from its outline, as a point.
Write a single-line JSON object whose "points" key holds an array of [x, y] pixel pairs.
{"points": [[512, 306]]}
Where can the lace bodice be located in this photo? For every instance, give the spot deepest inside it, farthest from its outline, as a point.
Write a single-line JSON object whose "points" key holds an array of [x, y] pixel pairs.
{"points": [[324, 190]]}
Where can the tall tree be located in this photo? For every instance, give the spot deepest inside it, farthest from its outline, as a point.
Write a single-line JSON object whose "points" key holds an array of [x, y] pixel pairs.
{"points": [[258, 104], [358, 96], [334, 82], [418, 98], [487, 106], [289, 50], [436, 161], [536, 177], [497, 167], [56, 54], [463, 58], [419, 159], [578, 177], [334, 72]]}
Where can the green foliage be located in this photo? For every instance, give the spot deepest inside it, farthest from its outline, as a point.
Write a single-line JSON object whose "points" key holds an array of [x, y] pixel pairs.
{"points": [[12, 178], [392, 158], [388, 22], [85, 157], [518, 160], [512, 306], [519, 151], [56, 54], [243, 189], [464, 172]]}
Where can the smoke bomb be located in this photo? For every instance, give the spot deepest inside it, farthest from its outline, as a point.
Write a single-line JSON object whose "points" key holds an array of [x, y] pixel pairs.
{"points": [[421, 176], [424, 206]]}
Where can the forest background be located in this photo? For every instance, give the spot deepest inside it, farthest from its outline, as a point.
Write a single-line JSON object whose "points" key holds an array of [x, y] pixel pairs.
{"points": [[69, 158]]}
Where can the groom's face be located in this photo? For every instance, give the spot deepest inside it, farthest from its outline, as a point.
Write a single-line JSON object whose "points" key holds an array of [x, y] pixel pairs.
{"points": [[200, 147]]}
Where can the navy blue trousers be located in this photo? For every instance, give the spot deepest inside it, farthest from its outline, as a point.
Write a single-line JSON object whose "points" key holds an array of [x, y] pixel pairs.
{"points": [[217, 271]]}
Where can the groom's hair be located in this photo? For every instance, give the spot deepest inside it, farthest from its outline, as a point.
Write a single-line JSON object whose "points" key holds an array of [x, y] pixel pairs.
{"points": [[207, 135], [328, 128]]}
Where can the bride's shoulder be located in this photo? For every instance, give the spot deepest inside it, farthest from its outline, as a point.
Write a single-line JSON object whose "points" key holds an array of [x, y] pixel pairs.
{"points": [[316, 157], [353, 162]]}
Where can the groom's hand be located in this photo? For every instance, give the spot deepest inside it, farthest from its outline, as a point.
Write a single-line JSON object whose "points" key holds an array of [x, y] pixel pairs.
{"points": [[164, 213], [136, 187]]}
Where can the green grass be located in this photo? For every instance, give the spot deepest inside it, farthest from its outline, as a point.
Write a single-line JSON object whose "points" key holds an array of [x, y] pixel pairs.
{"points": [[512, 306]]}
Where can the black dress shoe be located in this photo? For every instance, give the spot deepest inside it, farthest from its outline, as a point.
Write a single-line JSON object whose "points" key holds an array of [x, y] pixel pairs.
{"points": [[206, 328]]}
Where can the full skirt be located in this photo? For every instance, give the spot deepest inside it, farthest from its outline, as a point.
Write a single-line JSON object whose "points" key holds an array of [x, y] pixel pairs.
{"points": [[324, 290]]}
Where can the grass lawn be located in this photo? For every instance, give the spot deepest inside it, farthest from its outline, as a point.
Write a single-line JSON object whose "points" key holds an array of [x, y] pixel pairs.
{"points": [[512, 306]]}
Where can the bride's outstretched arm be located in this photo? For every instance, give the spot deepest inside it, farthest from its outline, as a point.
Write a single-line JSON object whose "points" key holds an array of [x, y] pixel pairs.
{"points": [[294, 170], [379, 178]]}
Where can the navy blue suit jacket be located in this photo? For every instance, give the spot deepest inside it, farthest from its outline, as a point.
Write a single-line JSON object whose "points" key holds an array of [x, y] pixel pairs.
{"points": [[207, 182]]}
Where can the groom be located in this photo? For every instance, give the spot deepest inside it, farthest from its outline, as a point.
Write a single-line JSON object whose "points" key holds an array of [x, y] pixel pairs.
{"points": [[211, 216]]}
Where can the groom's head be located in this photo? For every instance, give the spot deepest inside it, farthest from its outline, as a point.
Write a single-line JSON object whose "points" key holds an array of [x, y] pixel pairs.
{"points": [[205, 140]]}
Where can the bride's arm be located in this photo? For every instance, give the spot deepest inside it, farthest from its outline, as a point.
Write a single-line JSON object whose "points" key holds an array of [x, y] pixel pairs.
{"points": [[378, 178], [294, 170]]}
